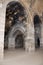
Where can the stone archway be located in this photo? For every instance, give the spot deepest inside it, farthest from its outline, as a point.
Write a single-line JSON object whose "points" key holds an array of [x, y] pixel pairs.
{"points": [[16, 35], [37, 27], [15, 20]]}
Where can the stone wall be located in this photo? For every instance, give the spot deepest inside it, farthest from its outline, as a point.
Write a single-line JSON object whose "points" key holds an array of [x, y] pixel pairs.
{"points": [[32, 7]]}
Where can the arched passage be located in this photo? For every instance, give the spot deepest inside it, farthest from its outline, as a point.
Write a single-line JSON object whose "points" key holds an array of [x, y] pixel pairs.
{"points": [[16, 35], [37, 27], [15, 14], [19, 41]]}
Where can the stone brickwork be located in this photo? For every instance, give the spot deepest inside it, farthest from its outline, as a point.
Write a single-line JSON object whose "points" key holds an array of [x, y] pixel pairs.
{"points": [[32, 8]]}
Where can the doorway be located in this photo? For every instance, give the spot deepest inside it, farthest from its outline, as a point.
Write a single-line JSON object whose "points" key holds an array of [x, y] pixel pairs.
{"points": [[19, 41], [37, 28]]}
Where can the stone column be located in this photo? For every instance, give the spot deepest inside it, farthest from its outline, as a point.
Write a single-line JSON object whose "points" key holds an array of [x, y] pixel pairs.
{"points": [[2, 24], [29, 41], [41, 45]]}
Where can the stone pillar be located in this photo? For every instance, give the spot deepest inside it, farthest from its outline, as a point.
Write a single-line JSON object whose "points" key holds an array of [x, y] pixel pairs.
{"points": [[41, 45], [29, 41], [2, 24], [11, 43]]}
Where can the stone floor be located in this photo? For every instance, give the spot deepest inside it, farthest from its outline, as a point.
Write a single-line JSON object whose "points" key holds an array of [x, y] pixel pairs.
{"points": [[20, 57]]}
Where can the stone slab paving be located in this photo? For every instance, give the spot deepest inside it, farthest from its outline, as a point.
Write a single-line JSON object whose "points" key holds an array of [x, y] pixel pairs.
{"points": [[21, 57]]}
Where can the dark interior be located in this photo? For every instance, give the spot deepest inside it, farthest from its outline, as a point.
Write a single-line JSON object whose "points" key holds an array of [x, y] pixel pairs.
{"points": [[38, 42], [37, 28], [19, 41]]}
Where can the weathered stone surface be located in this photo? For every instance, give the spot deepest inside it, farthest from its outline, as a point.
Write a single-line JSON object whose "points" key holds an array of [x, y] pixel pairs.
{"points": [[32, 8]]}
